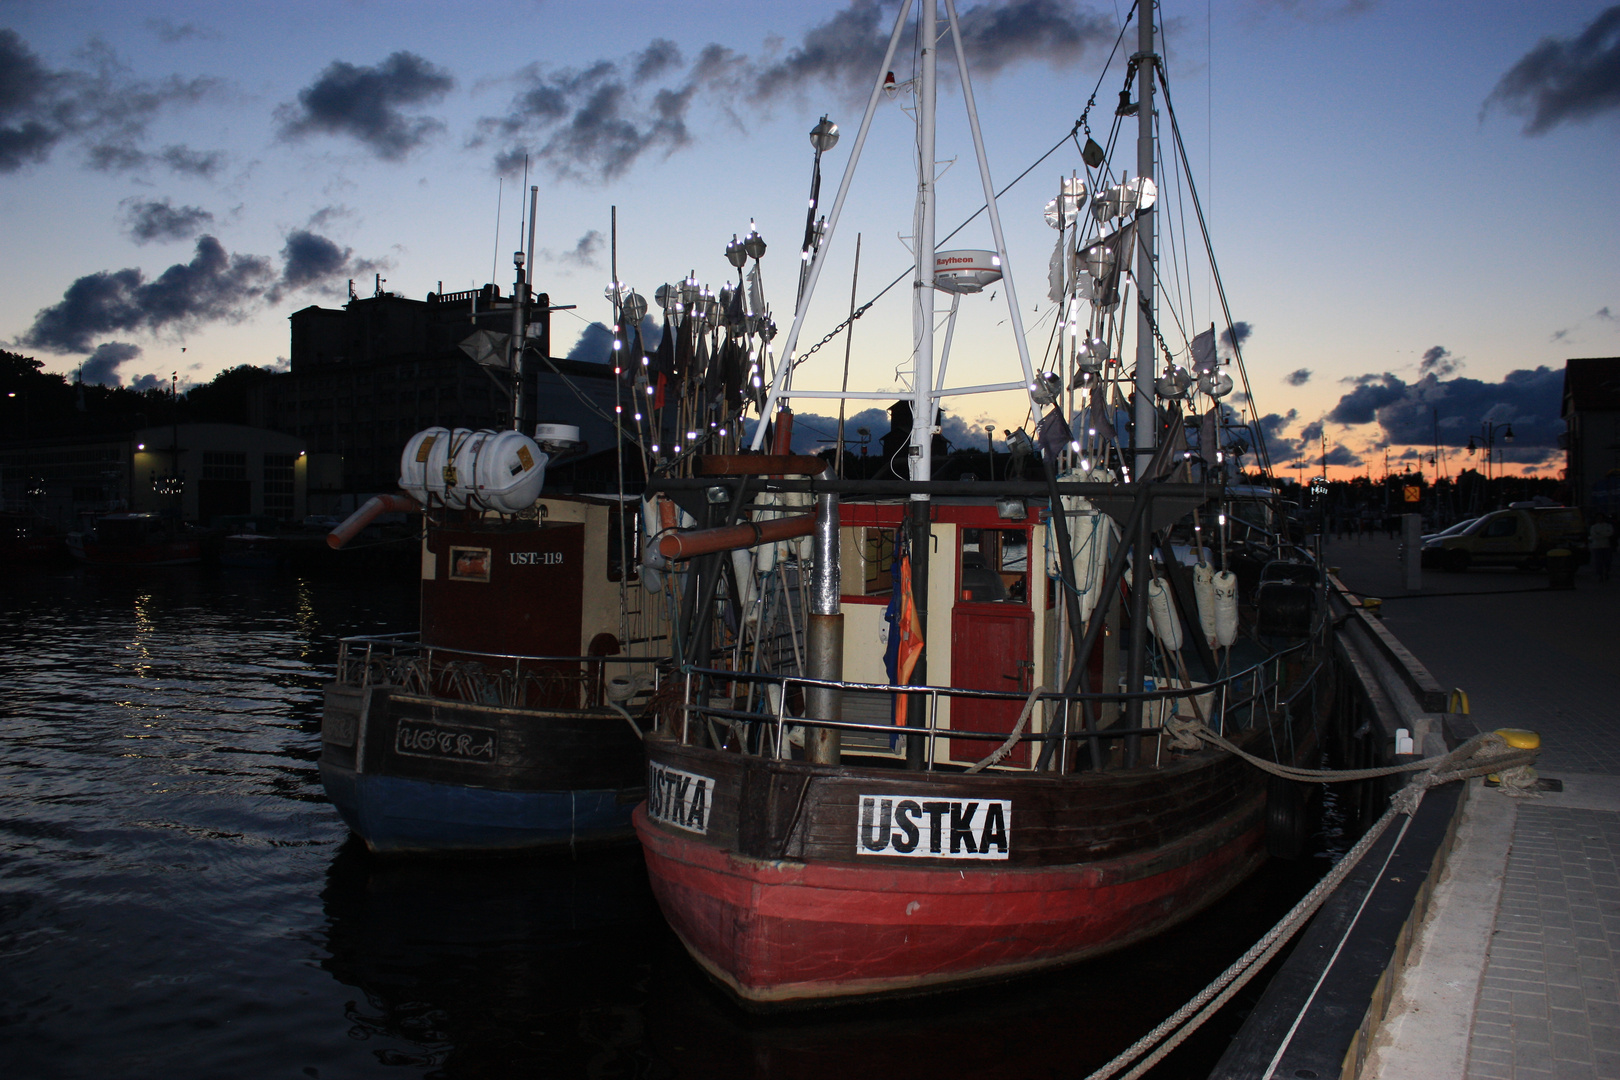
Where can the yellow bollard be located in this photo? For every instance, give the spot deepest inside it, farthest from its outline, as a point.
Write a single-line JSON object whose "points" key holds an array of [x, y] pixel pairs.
{"points": [[1458, 697], [1518, 739]]}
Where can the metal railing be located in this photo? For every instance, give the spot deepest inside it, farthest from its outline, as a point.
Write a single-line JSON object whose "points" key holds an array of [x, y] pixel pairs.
{"points": [[1248, 698], [510, 680]]}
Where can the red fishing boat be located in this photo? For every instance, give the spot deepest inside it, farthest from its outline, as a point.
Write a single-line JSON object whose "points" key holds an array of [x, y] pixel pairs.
{"points": [[968, 748]]}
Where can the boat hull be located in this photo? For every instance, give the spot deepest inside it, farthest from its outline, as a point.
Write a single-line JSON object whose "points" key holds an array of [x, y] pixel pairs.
{"points": [[789, 887], [397, 815], [780, 931], [411, 773]]}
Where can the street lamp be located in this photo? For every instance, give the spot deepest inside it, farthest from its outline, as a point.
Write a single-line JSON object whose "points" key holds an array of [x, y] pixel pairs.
{"points": [[1487, 439]]}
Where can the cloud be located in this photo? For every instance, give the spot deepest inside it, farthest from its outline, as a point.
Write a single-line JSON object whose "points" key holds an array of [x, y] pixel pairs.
{"points": [[584, 252], [1604, 314], [1342, 455], [214, 286], [366, 103], [1562, 81], [309, 258], [596, 121], [1298, 378], [1372, 392], [100, 368], [1238, 331], [98, 104], [1438, 360], [1452, 410], [159, 219], [143, 383], [172, 34]]}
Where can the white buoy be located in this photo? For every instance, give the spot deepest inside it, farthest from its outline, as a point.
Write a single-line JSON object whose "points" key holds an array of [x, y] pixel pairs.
{"points": [[1204, 595], [1226, 610], [1163, 619]]}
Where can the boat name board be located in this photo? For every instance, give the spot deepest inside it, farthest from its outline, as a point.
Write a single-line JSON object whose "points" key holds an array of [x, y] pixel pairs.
{"points": [[416, 738], [535, 558], [677, 798], [934, 828]]}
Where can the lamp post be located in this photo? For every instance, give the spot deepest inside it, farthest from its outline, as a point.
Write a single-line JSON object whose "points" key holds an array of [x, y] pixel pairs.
{"points": [[1487, 440]]}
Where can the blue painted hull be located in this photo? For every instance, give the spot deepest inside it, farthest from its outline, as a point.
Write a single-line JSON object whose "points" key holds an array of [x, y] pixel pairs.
{"points": [[395, 815]]}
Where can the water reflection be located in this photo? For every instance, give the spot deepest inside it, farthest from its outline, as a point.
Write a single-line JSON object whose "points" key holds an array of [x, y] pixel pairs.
{"points": [[495, 967]]}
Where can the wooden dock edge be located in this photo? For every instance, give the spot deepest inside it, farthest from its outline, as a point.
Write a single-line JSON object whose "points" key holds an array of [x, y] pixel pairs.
{"points": [[1322, 1008]]}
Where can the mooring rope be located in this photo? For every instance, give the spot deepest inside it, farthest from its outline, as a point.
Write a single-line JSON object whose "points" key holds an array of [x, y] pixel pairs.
{"points": [[1469, 759], [1017, 732]]}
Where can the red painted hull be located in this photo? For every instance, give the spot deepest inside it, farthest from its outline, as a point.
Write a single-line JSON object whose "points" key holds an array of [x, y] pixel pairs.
{"points": [[777, 931]]}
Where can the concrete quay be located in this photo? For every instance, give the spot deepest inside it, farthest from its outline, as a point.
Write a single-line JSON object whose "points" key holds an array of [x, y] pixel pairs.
{"points": [[1516, 969]]}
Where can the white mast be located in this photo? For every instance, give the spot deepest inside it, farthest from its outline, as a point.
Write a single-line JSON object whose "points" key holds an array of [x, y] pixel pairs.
{"points": [[1146, 417], [922, 367]]}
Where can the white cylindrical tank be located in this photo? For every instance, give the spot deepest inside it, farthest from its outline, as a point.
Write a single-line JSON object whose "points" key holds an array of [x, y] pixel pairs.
{"points": [[413, 463], [508, 470]]}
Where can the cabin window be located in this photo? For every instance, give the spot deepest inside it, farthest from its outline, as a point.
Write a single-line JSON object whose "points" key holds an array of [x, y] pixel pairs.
{"points": [[877, 560], [994, 566], [1502, 526], [624, 539]]}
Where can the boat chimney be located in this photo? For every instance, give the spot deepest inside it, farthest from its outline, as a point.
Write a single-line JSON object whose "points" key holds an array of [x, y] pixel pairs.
{"points": [[824, 634]]}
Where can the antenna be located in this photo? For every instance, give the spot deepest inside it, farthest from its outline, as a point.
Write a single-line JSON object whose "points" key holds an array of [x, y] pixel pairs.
{"points": [[495, 256]]}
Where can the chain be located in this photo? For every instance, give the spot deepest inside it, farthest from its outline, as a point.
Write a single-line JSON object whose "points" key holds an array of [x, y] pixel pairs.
{"points": [[835, 331]]}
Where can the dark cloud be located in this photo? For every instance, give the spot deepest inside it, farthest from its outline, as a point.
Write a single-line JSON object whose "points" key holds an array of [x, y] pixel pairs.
{"points": [[657, 58], [100, 368], [213, 286], [1565, 80], [595, 344], [148, 382], [1311, 434], [1454, 409], [1238, 331], [1438, 360], [1372, 392], [159, 219], [99, 104], [183, 159], [1603, 314], [1271, 428], [171, 33], [596, 121], [310, 258], [366, 103], [584, 252], [1342, 455], [1298, 378]]}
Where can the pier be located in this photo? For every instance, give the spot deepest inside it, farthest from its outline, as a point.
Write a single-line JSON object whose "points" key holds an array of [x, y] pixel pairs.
{"points": [[1496, 956]]}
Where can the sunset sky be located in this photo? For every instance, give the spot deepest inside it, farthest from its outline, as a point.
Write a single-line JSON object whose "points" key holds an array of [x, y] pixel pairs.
{"points": [[1415, 211]]}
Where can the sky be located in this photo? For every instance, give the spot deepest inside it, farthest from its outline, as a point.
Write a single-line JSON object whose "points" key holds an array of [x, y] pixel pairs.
{"points": [[1414, 212]]}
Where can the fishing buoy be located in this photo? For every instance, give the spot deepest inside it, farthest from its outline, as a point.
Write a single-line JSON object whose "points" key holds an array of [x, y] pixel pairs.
{"points": [[1163, 618], [1226, 609], [1204, 596]]}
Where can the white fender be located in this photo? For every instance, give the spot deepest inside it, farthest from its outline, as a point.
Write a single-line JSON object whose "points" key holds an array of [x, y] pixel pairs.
{"points": [[1204, 594], [1163, 619], [1226, 609]]}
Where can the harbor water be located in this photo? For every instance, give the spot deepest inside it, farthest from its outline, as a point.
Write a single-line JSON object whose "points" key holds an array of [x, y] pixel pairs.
{"points": [[178, 899]]}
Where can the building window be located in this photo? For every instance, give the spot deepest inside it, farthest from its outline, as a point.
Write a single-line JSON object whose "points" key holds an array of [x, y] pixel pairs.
{"points": [[220, 465], [278, 485]]}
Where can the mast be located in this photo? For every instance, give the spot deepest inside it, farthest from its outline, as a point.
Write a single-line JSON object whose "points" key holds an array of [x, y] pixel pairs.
{"points": [[1146, 426], [922, 366]]}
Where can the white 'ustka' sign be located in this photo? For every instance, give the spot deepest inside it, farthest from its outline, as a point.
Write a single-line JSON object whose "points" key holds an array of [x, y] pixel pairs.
{"points": [[679, 798], [934, 828]]}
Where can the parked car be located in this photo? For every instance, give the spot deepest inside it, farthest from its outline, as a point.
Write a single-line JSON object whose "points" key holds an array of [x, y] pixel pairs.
{"points": [[1450, 530], [1518, 536]]}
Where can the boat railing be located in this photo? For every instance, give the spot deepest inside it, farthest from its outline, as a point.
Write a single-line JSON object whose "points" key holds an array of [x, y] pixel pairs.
{"points": [[1276, 686], [513, 680]]}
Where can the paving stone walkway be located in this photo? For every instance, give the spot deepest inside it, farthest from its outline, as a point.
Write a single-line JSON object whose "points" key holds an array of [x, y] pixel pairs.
{"points": [[1548, 1003]]}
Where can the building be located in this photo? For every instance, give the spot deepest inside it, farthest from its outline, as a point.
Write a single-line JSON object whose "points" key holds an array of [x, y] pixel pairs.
{"points": [[200, 471], [366, 377], [1591, 412]]}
